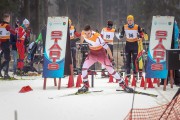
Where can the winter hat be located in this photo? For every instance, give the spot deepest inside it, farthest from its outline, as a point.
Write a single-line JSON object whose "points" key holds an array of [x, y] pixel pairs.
{"points": [[130, 17], [25, 21]]}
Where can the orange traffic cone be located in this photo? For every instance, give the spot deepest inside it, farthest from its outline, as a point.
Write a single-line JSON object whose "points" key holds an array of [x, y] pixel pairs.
{"points": [[150, 84], [126, 81], [79, 81], [25, 89], [142, 82], [155, 80], [71, 81], [110, 79], [133, 81]]}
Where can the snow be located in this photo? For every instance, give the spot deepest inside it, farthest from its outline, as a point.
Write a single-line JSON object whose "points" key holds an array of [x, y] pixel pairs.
{"points": [[48, 104]]}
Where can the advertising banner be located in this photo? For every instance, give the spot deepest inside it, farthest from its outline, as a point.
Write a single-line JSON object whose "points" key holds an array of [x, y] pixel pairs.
{"points": [[160, 40], [55, 47]]}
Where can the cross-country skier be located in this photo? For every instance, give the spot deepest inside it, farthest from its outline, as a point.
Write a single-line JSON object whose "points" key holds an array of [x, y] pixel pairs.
{"points": [[107, 34], [131, 32], [5, 30], [97, 53]]}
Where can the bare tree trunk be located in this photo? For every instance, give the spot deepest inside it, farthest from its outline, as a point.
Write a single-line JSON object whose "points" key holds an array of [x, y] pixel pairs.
{"points": [[37, 16], [101, 13], [45, 10], [26, 9], [79, 17], [67, 8]]}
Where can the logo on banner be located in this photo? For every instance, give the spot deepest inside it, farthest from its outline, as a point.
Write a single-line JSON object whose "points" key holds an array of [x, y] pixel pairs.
{"points": [[169, 23], [64, 23]]}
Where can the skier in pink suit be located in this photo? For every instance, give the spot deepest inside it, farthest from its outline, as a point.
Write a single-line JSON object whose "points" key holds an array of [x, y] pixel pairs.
{"points": [[97, 53]]}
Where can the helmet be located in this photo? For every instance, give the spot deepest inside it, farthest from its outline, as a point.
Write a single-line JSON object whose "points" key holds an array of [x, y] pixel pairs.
{"points": [[130, 17], [26, 21]]}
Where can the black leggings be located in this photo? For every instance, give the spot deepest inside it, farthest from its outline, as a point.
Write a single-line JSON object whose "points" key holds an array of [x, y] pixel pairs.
{"points": [[131, 49], [6, 53]]}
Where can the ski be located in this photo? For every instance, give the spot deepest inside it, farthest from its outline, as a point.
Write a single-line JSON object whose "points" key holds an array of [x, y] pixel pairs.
{"points": [[76, 93], [141, 93], [11, 78]]}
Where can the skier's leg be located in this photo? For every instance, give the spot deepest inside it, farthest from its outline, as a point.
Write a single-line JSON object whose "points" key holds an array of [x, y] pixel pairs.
{"points": [[128, 59], [108, 65], [87, 63], [111, 70], [134, 55]]}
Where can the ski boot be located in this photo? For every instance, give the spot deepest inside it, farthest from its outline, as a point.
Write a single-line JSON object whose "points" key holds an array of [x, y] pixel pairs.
{"points": [[6, 76], [84, 89], [125, 87]]}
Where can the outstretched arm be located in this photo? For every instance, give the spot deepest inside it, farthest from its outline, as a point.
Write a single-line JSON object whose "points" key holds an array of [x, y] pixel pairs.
{"points": [[105, 46]]}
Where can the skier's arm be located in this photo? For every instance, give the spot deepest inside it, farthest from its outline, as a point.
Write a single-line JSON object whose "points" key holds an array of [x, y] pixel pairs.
{"points": [[102, 33], [105, 46], [21, 32], [12, 31]]}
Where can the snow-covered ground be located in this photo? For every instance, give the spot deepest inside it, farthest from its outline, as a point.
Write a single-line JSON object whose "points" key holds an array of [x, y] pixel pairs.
{"points": [[48, 104]]}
